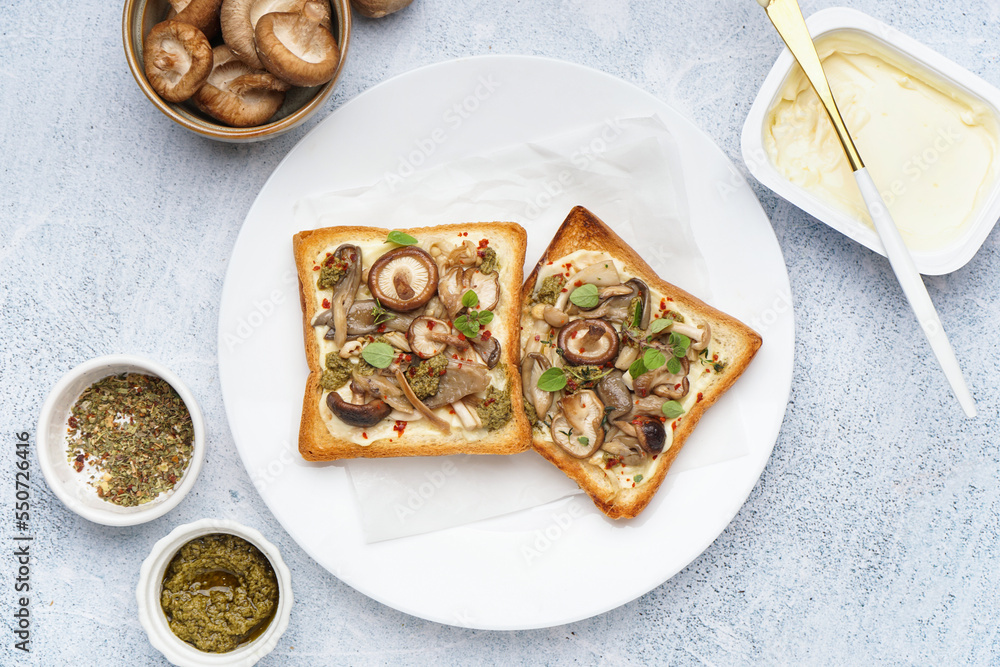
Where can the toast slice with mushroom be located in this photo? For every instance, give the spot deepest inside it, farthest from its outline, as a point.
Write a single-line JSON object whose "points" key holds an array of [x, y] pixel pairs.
{"points": [[411, 340], [618, 365]]}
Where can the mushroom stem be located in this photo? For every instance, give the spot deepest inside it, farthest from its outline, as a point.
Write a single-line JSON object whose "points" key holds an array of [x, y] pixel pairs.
{"points": [[438, 423]]}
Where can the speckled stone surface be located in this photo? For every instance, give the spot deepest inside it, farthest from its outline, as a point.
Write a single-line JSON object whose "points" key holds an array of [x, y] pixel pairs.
{"points": [[872, 535]]}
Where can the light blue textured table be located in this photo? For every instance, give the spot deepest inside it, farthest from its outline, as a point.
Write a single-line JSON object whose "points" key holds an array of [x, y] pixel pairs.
{"points": [[871, 536]]}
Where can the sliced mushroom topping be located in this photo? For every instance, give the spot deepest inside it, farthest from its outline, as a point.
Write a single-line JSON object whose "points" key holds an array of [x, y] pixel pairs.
{"points": [[296, 47], [588, 342], [700, 336], [458, 281], [238, 95], [532, 367], [660, 379], [486, 287], [617, 302], [549, 314], [363, 415], [627, 448], [469, 418], [614, 393], [202, 14], [429, 337], [488, 348], [627, 356], [650, 433], [577, 428], [651, 405], [363, 319], [423, 409], [178, 60], [461, 379], [601, 274], [343, 292], [403, 279]]}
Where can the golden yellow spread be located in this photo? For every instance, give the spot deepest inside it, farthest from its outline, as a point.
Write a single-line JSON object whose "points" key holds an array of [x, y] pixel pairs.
{"points": [[930, 146]]}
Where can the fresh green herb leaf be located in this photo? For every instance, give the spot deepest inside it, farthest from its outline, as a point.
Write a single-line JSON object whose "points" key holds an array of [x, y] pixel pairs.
{"points": [[637, 479], [380, 315], [468, 324], [552, 379], [485, 317], [672, 409], [470, 299], [653, 358], [680, 343], [658, 325], [583, 440], [585, 297], [379, 355], [674, 365], [400, 238], [567, 433], [636, 310], [636, 369]]}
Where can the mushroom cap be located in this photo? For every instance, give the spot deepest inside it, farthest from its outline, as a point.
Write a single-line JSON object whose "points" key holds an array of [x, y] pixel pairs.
{"points": [[178, 60], [403, 279], [296, 47], [486, 287], [376, 9], [364, 415], [421, 337], [488, 349], [588, 342], [650, 433], [458, 281], [239, 20], [202, 14], [237, 95]]}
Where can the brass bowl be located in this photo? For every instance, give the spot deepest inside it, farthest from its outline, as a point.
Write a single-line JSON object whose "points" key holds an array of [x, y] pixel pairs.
{"points": [[140, 16]]}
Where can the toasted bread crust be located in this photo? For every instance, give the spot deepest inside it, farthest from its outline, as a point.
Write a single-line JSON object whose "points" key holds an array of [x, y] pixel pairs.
{"points": [[316, 443], [582, 230]]}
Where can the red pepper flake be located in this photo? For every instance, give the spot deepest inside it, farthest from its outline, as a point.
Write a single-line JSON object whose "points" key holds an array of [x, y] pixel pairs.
{"points": [[364, 435], [483, 243], [699, 397], [486, 335], [715, 357], [454, 356], [549, 263], [465, 233], [675, 424], [461, 336], [563, 289], [399, 427], [537, 337], [381, 328], [460, 365], [73, 423], [430, 324], [315, 268], [326, 303], [409, 357], [577, 283], [663, 304]]}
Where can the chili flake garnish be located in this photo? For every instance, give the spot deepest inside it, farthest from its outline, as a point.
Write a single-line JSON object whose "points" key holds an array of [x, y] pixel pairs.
{"points": [[136, 434]]}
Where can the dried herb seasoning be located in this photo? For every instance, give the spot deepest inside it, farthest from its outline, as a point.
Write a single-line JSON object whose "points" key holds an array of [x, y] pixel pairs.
{"points": [[133, 434]]}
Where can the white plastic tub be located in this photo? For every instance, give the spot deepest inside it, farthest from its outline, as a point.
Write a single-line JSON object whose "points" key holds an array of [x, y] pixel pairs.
{"points": [[944, 259]]}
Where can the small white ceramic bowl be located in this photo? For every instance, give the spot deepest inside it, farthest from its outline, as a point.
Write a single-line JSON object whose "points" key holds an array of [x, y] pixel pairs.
{"points": [[154, 621], [943, 260], [73, 488]]}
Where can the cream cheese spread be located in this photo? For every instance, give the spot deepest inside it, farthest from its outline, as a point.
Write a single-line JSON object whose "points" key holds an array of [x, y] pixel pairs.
{"points": [[930, 146]]}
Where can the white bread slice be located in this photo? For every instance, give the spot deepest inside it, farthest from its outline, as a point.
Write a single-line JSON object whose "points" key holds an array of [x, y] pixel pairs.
{"points": [[418, 438], [733, 345]]}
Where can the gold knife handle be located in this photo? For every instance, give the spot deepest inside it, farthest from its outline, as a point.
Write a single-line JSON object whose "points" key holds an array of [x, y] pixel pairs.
{"points": [[787, 19]]}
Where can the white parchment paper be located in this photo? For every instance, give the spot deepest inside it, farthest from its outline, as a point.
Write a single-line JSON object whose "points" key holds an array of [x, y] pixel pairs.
{"points": [[627, 172]]}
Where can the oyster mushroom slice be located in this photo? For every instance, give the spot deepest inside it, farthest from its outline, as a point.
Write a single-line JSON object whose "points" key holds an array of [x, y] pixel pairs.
{"points": [[588, 342], [628, 448], [296, 47], [238, 95], [178, 60], [344, 290], [360, 415], [488, 349], [615, 394], [532, 367], [486, 287], [461, 378], [602, 274], [403, 279], [361, 320], [577, 428], [661, 378], [423, 409]]}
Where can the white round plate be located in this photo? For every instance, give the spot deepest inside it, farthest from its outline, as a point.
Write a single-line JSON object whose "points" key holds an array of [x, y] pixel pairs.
{"points": [[553, 564]]}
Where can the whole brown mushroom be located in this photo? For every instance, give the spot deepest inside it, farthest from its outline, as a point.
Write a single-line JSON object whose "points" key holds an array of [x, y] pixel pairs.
{"points": [[297, 47], [237, 95], [403, 279], [376, 9], [178, 60]]}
